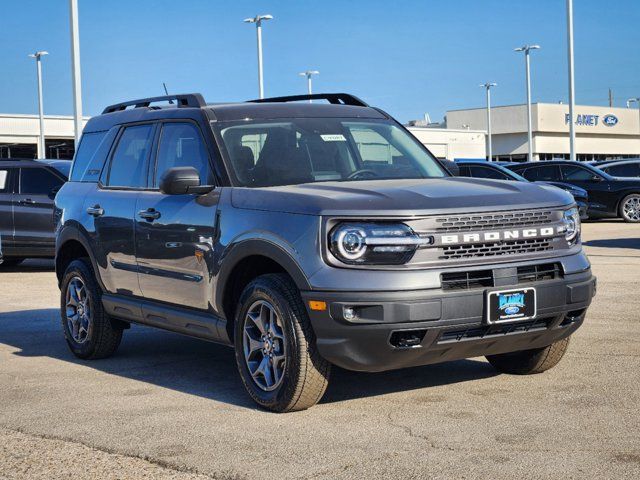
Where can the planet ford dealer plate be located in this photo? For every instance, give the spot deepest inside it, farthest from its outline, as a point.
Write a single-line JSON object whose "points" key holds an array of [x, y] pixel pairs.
{"points": [[511, 305]]}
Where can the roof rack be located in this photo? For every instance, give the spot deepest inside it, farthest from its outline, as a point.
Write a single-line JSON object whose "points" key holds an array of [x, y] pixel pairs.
{"points": [[334, 98], [183, 100]]}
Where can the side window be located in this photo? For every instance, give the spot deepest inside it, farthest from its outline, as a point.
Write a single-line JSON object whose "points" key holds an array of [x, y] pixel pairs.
{"points": [[82, 162], [543, 172], [38, 181], [181, 145], [4, 181], [626, 170], [465, 172], [128, 163], [576, 173], [485, 172]]}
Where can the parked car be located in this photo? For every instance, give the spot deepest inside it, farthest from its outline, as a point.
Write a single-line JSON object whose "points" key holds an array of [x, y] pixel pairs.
{"points": [[308, 235], [498, 171], [27, 191], [621, 168], [608, 196]]}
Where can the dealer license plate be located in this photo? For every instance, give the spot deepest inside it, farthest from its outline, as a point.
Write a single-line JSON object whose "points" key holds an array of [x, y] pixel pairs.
{"points": [[511, 305]]}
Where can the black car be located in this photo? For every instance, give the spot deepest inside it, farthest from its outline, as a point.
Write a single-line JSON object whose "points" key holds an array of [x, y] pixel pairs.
{"points": [[499, 171], [27, 191], [608, 196], [307, 235], [621, 168]]}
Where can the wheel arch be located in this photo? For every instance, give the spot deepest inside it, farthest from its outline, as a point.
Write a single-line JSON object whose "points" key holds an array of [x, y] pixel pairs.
{"points": [[244, 262], [71, 244]]}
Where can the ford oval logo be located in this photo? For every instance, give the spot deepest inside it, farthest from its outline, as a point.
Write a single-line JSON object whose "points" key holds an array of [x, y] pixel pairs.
{"points": [[511, 310], [610, 120]]}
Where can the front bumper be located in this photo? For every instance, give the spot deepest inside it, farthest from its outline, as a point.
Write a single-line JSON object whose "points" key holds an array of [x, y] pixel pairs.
{"points": [[450, 325]]}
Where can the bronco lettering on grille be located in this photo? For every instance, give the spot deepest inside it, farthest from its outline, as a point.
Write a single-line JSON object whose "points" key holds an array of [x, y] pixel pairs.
{"points": [[496, 236]]}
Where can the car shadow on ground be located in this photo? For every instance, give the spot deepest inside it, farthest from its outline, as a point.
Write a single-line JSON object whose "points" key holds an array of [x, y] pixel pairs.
{"points": [[208, 370], [30, 266], [633, 243]]}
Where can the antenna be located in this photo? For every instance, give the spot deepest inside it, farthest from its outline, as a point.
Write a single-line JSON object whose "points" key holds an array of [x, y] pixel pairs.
{"points": [[166, 92]]}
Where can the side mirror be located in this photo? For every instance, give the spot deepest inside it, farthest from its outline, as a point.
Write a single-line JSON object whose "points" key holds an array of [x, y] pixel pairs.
{"points": [[597, 178], [181, 181], [452, 167]]}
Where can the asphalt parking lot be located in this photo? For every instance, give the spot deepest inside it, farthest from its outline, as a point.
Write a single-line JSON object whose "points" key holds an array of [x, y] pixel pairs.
{"points": [[167, 406]]}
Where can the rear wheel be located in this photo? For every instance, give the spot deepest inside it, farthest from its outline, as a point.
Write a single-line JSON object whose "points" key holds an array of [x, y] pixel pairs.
{"points": [[275, 346], [527, 362], [11, 261], [630, 208], [89, 331]]}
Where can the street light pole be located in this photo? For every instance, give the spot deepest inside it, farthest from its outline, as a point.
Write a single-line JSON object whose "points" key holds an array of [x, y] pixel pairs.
{"points": [[526, 49], [258, 21], [308, 74], [572, 100], [487, 86], [38, 56], [636, 100], [75, 71]]}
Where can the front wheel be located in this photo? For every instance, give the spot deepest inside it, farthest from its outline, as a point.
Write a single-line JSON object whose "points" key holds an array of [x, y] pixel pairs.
{"points": [[275, 346], [527, 362], [630, 208]]}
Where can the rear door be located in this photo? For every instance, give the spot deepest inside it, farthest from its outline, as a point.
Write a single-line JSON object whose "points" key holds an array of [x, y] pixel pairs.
{"points": [[176, 234], [33, 209], [111, 207], [6, 208]]}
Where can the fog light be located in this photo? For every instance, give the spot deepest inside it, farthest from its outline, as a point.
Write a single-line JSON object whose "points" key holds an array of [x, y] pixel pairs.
{"points": [[349, 313]]}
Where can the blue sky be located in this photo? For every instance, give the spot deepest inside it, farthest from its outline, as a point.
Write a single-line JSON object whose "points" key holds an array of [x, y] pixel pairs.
{"points": [[408, 57]]}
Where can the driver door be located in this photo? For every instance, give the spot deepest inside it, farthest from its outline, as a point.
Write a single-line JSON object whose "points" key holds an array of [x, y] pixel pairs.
{"points": [[176, 234], [598, 188]]}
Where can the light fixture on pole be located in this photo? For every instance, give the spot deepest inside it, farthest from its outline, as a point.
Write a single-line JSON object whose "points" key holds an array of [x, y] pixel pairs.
{"points": [[526, 49], [636, 100], [572, 100], [487, 86], [75, 71], [38, 56], [258, 21], [309, 74]]}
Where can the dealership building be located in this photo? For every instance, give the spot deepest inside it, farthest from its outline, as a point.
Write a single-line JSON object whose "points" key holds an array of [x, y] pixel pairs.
{"points": [[19, 136], [601, 132]]}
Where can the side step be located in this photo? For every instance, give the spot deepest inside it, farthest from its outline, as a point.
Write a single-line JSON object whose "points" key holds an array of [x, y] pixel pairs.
{"points": [[181, 320]]}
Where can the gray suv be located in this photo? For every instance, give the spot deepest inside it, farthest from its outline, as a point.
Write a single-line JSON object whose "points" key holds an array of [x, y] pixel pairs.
{"points": [[307, 235]]}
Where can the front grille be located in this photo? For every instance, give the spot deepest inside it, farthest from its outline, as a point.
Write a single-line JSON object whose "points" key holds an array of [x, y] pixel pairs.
{"points": [[491, 331], [467, 280], [537, 273], [491, 221], [493, 249]]}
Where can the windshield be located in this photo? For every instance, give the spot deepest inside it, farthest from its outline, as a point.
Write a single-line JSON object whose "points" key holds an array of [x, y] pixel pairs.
{"points": [[266, 153]]}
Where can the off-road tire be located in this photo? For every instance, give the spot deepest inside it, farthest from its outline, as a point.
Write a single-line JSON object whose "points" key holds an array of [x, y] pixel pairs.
{"points": [[306, 373], [104, 336], [621, 212], [527, 362]]}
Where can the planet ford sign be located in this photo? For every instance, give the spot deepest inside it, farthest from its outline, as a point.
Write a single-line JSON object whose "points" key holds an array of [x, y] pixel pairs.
{"points": [[592, 120]]}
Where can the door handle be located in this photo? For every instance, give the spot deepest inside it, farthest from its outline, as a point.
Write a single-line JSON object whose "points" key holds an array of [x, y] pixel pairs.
{"points": [[27, 201], [95, 211], [149, 214]]}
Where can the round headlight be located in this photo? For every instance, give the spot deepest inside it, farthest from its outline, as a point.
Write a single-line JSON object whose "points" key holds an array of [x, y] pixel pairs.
{"points": [[350, 243], [572, 225]]}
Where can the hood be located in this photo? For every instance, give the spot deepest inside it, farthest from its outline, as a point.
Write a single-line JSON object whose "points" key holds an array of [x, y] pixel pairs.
{"points": [[400, 197]]}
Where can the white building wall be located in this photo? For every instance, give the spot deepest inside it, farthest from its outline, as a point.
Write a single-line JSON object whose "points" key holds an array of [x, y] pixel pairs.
{"points": [[15, 128], [452, 143]]}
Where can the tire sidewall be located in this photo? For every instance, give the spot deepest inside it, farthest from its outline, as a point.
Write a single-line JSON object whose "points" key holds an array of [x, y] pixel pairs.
{"points": [[260, 290], [622, 204], [79, 268]]}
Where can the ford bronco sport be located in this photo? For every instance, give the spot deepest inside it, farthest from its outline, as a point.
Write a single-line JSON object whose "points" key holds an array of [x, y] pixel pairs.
{"points": [[307, 235]]}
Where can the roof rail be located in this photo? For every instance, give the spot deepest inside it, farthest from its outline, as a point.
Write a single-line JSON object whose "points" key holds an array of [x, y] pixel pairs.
{"points": [[334, 98], [183, 100]]}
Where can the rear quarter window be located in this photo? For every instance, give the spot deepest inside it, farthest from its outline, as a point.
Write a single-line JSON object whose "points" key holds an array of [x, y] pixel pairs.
{"points": [[91, 155]]}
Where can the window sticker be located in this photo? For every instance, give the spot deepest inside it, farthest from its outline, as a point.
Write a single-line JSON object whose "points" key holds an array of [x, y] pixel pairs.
{"points": [[333, 137]]}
